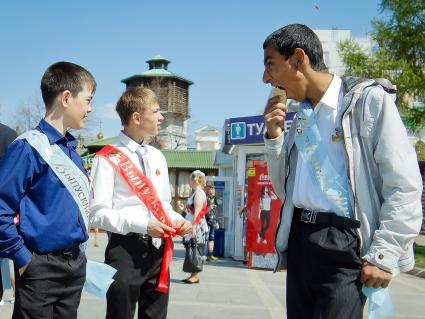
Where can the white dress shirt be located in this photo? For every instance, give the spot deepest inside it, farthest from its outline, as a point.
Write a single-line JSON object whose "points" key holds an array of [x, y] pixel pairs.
{"points": [[113, 206], [307, 193]]}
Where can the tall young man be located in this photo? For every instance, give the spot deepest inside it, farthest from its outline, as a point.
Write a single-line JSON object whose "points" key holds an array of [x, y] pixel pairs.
{"points": [[348, 176], [44, 200], [131, 199]]}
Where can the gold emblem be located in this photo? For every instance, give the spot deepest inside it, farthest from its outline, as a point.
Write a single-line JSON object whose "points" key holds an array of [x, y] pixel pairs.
{"points": [[337, 136], [157, 172]]}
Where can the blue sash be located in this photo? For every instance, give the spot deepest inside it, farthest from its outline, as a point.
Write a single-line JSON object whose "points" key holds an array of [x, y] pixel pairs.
{"points": [[314, 153]]}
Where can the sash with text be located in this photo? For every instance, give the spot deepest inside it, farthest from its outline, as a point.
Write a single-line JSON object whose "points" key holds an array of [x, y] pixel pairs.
{"points": [[143, 188]]}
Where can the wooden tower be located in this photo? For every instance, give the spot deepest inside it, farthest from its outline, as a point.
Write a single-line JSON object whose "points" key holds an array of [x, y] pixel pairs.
{"points": [[173, 93]]}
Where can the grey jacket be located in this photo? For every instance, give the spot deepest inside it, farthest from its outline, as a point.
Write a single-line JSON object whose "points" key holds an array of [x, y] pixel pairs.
{"points": [[386, 184]]}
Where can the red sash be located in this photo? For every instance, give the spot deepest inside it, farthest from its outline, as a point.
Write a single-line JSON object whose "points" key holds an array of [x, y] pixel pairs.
{"points": [[201, 214], [142, 187]]}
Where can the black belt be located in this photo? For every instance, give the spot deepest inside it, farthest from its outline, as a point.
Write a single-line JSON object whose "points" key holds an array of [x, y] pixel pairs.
{"points": [[139, 236], [324, 218], [69, 252]]}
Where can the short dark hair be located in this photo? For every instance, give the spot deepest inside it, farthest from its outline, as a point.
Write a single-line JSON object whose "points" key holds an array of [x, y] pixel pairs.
{"points": [[134, 99], [293, 36], [63, 76]]}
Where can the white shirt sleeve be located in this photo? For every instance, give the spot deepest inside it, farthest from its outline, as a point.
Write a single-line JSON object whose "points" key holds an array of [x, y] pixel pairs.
{"points": [[103, 214]]}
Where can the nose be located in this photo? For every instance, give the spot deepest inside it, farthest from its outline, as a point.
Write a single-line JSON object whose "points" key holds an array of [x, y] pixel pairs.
{"points": [[161, 118], [266, 77], [90, 108]]}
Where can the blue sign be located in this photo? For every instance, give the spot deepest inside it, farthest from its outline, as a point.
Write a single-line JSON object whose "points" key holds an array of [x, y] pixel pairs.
{"points": [[249, 130], [219, 184], [238, 131]]}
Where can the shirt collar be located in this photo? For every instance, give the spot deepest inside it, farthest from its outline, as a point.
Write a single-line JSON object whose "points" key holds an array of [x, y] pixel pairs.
{"points": [[131, 144], [331, 96], [54, 136]]}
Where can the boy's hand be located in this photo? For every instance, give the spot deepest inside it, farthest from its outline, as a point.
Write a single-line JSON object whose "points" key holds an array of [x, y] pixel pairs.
{"points": [[183, 227], [157, 229], [274, 116], [374, 277]]}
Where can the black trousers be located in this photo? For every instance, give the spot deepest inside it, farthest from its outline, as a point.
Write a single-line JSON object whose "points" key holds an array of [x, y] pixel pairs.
{"points": [[265, 222], [50, 286], [323, 275], [138, 265]]}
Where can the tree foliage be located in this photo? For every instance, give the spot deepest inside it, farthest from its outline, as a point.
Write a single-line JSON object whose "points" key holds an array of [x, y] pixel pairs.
{"points": [[400, 52]]}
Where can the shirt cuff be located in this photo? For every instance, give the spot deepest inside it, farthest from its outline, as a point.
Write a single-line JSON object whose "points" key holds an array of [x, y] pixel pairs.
{"points": [[21, 257], [273, 146], [382, 258]]}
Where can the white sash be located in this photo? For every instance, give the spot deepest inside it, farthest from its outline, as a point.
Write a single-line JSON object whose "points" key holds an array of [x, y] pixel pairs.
{"points": [[99, 276], [75, 181]]}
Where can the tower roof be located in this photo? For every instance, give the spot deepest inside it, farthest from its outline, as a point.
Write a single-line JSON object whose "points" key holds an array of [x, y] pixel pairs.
{"points": [[158, 67], [158, 57]]}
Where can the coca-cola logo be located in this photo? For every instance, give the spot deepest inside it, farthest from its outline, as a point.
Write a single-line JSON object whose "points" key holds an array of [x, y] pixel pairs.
{"points": [[264, 177]]}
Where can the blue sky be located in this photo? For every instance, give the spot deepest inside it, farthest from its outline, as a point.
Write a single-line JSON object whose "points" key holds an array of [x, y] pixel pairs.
{"points": [[216, 44]]}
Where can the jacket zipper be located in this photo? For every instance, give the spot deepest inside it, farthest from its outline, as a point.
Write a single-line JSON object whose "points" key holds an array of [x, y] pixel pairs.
{"points": [[281, 211], [357, 230]]}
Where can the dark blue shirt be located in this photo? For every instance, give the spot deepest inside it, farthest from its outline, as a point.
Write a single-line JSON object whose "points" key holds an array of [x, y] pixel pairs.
{"points": [[49, 217]]}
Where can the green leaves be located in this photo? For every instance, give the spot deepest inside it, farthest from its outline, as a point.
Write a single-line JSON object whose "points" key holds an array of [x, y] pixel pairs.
{"points": [[400, 54]]}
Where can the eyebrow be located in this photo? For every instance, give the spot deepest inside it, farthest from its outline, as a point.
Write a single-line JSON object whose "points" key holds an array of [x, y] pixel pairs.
{"points": [[268, 57]]}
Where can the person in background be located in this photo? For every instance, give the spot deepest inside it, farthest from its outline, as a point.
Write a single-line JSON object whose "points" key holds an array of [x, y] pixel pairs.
{"points": [[7, 135], [211, 219], [196, 208], [180, 207], [96, 232], [347, 174]]}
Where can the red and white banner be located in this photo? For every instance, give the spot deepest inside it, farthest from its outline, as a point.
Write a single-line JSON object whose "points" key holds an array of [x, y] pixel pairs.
{"points": [[262, 208]]}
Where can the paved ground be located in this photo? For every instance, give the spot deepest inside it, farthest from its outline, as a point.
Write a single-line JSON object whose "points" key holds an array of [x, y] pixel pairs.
{"points": [[229, 291]]}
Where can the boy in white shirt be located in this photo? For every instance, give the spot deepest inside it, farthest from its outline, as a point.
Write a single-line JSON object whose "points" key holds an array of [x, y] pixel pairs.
{"points": [[131, 199]]}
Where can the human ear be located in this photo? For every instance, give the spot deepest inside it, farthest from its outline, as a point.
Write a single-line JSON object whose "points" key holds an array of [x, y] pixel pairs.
{"points": [[298, 57], [136, 118], [64, 97]]}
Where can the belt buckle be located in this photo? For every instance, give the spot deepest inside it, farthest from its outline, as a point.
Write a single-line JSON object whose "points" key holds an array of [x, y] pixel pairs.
{"points": [[67, 252], [143, 236], [308, 216]]}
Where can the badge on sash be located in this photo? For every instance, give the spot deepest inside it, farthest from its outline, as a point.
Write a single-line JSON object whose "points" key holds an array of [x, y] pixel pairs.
{"points": [[337, 135]]}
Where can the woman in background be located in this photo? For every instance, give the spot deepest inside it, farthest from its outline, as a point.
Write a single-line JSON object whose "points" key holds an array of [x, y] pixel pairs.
{"points": [[196, 208]]}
